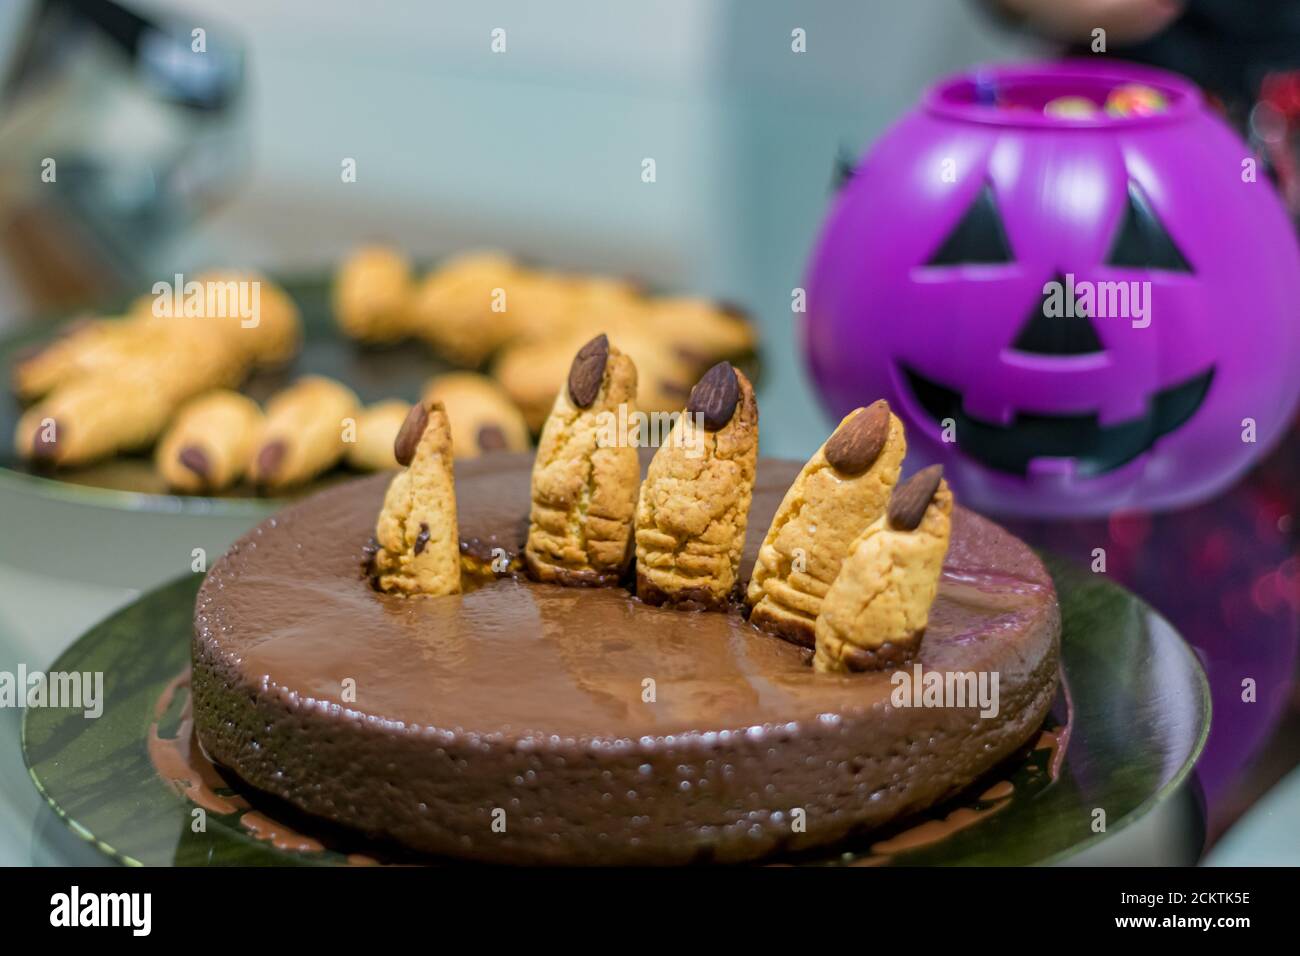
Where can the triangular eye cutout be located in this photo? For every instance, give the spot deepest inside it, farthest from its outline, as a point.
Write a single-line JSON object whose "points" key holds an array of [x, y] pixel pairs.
{"points": [[1142, 241], [1049, 333], [978, 238], [845, 169]]}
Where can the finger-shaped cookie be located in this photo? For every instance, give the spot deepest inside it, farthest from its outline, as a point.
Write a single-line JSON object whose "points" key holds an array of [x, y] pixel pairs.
{"points": [[530, 373], [126, 407], [266, 326], [373, 295], [458, 308], [418, 544], [875, 613], [377, 428], [549, 306], [664, 377], [209, 444], [674, 341], [694, 504], [85, 347], [584, 483], [93, 418], [257, 316], [700, 330], [843, 488], [483, 419], [225, 324], [192, 358], [303, 432]]}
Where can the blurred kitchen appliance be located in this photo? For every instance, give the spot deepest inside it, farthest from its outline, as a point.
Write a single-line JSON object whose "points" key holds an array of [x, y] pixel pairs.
{"points": [[116, 130]]}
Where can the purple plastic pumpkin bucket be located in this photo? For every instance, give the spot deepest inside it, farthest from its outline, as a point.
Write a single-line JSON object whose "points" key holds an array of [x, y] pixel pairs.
{"points": [[1074, 314]]}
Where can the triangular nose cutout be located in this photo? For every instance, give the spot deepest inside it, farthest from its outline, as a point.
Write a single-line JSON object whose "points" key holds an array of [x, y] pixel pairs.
{"points": [[1051, 330]]}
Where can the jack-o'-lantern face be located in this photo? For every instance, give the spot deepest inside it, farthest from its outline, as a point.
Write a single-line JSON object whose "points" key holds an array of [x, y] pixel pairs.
{"points": [[1073, 317], [1063, 334]]}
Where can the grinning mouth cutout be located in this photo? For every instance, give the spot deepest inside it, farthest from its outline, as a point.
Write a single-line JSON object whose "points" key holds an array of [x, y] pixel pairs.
{"points": [[1094, 448]]}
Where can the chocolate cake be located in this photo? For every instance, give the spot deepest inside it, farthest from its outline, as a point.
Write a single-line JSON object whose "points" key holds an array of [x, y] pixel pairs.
{"points": [[530, 723]]}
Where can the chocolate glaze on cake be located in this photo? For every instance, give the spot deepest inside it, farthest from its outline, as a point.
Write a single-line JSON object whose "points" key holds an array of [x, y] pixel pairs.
{"points": [[535, 699]]}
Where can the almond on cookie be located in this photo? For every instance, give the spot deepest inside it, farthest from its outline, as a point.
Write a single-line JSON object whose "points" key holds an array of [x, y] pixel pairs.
{"points": [[694, 504], [377, 428], [302, 435], [875, 613], [843, 488], [209, 445], [418, 543], [585, 477]]}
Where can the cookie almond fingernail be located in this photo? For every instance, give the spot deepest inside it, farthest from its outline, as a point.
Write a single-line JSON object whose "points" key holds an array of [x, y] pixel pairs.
{"points": [[491, 438], [588, 371], [842, 489], [270, 458], [714, 396], [419, 544], [312, 422], [857, 443], [876, 611], [196, 460], [907, 506], [408, 437], [694, 505], [211, 442], [45, 449], [585, 478]]}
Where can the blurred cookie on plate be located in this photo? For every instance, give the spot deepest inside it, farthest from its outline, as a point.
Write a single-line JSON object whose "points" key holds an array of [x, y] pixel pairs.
{"points": [[81, 347], [125, 407], [672, 341], [302, 436], [376, 431], [460, 310], [373, 295], [482, 416], [209, 445], [261, 320]]}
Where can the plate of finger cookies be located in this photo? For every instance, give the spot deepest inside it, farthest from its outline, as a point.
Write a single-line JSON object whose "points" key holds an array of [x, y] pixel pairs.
{"points": [[631, 648], [222, 392]]}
